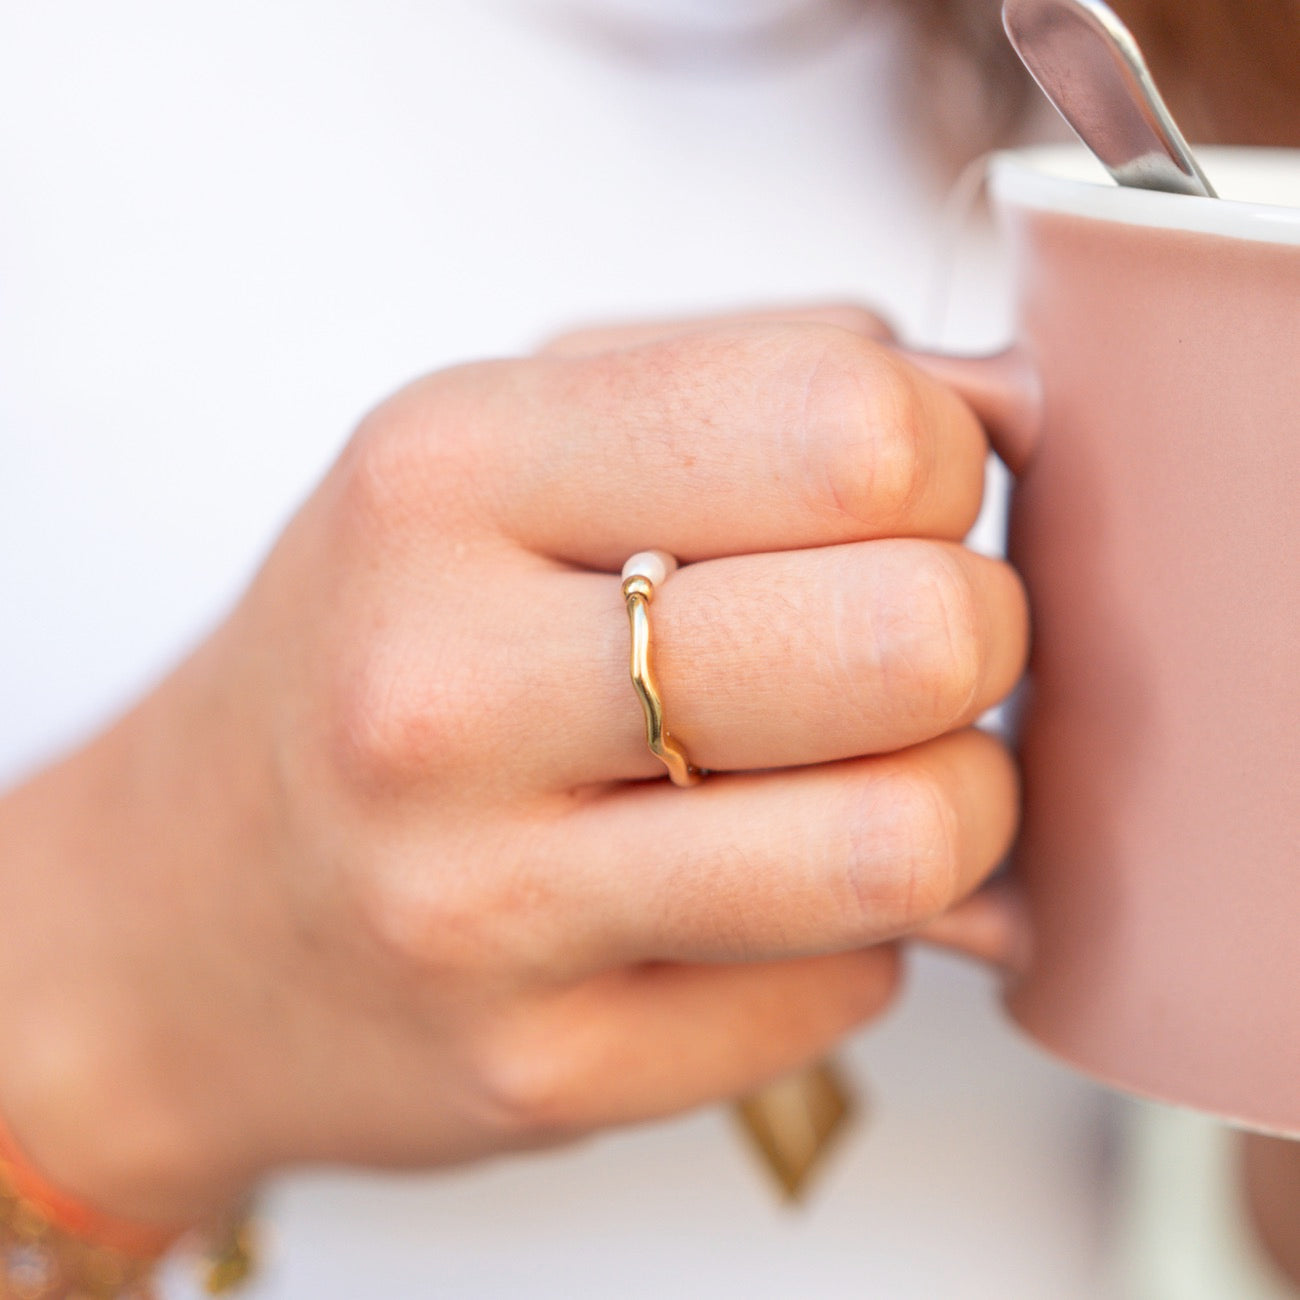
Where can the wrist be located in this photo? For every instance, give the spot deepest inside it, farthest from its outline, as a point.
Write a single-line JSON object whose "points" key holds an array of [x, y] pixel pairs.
{"points": [[54, 1245], [104, 977]]}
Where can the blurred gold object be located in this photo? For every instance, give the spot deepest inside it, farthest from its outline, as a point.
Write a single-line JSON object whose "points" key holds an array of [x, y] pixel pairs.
{"points": [[39, 1260], [796, 1121], [230, 1257]]}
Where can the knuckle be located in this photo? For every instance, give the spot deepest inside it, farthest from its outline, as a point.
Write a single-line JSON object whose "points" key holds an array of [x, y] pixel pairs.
{"points": [[382, 467], [903, 868], [937, 654], [384, 464], [530, 1089], [420, 447], [416, 919], [863, 425], [899, 467], [446, 918], [400, 717]]}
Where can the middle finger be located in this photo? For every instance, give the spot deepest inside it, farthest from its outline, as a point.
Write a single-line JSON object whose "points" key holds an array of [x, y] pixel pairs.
{"points": [[762, 437]]}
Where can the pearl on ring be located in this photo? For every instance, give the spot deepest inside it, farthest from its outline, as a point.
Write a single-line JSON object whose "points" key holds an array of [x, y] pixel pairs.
{"points": [[654, 566]]}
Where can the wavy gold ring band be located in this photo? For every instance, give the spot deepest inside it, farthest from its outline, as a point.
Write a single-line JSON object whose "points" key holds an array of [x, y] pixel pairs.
{"points": [[645, 571]]}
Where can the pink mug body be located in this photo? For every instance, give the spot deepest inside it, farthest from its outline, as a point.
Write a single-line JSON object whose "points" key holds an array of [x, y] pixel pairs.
{"points": [[1156, 521]]}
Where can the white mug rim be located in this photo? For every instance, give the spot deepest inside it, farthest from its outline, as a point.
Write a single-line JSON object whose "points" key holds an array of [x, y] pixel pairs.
{"points": [[1260, 189]]}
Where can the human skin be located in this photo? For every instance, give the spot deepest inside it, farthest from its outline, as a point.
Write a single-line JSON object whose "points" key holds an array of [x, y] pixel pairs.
{"points": [[384, 874]]}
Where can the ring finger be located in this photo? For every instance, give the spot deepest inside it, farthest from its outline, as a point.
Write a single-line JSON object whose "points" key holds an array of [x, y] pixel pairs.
{"points": [[782, 660]]}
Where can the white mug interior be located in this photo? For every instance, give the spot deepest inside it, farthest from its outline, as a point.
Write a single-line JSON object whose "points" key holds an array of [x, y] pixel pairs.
{"points": [[1259, 191]]}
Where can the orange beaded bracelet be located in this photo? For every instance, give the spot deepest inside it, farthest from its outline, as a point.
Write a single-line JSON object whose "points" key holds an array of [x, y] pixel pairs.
{"points": [[74, 1217], [54, 1246]]}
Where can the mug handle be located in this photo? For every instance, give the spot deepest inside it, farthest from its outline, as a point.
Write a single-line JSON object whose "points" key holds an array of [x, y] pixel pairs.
{"points": [[1004, 392]]}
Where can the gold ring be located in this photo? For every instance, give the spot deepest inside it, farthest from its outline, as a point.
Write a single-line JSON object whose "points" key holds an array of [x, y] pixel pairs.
{"points": [[641, 575]]}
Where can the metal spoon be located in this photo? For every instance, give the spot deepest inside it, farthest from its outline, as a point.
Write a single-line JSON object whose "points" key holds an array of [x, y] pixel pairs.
{"points": [[1088, 64]]}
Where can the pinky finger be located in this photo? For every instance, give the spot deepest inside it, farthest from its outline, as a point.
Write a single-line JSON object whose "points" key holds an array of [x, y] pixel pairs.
{"points": [[664, 1039]]}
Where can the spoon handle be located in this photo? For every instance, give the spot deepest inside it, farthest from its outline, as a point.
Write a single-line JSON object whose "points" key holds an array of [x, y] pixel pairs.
{"points": [[1088, 64]]}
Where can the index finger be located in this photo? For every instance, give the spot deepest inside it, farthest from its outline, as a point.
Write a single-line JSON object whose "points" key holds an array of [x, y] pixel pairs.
{"points": [[755, 437]]}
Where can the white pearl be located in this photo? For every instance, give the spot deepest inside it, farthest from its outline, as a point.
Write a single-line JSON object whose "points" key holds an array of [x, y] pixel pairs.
{"points": [[654, 566]]}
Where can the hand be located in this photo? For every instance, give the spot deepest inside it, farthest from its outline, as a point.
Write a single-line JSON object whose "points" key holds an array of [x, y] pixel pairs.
{"points": [[385, 874]]}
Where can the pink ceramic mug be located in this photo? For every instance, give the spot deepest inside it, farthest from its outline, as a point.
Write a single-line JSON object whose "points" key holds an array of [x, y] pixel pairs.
{"points": [[1151, 412]]}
